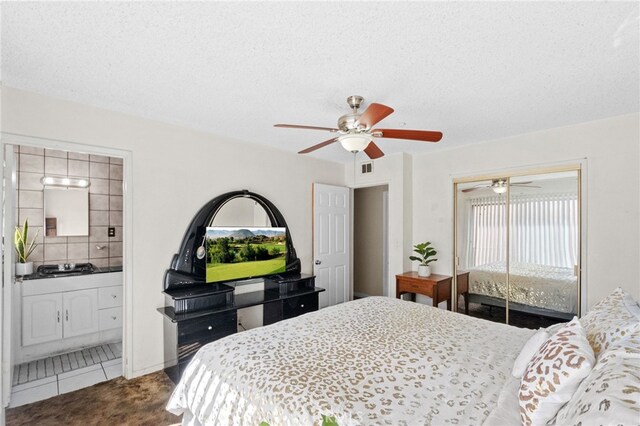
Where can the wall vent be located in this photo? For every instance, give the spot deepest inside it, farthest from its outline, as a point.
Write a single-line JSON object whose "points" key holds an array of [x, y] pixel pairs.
{"points": [[367, 167]]}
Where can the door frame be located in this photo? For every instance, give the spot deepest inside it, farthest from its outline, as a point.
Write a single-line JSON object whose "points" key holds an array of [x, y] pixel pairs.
{"points": [[127, 242], [386, 290], [578, 165]]}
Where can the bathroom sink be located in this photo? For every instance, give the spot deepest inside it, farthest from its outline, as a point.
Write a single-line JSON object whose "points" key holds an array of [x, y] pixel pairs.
{"points": [[65, 270]]}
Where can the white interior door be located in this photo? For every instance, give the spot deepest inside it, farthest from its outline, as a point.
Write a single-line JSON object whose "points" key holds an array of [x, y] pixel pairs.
{"points": [[331, 231]]}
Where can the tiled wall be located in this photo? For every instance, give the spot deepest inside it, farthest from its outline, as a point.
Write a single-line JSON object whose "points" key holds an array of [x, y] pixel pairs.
{"points": [[105, 205]]}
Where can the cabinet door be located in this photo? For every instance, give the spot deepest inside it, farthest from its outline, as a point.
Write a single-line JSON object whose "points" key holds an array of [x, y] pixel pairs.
{"points": [[80, 312], [41, 318]]}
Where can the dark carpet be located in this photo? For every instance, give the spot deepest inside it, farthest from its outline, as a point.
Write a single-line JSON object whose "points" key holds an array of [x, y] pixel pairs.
{"points": [[139, 401]]}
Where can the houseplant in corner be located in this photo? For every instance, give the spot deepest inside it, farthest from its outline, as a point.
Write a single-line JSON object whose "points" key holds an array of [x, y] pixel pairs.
{"points": [[425, 252], [24, 248]]}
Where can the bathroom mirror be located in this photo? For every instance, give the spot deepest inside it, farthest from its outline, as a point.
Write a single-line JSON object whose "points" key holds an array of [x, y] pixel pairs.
{"points": [[241, 212], [66, 212]]}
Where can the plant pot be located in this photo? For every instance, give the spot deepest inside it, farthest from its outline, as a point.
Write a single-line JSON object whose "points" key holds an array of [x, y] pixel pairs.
{"points": [[24, 268], [424, 270]]}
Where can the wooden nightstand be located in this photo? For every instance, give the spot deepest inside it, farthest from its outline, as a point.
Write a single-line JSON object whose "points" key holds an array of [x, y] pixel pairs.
{"points": [[437, 287]]}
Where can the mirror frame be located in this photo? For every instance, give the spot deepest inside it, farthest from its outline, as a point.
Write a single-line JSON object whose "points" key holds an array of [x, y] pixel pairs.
{"points": [[187, 270]]}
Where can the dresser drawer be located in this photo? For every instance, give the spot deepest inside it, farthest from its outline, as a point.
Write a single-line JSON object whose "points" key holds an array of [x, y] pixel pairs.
{"points": [[109, 297], [299, 305], [207, 329], [110, 318]]}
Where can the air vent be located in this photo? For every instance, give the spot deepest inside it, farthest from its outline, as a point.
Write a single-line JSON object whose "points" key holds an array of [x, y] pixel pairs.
{"points": [[367, 167]]}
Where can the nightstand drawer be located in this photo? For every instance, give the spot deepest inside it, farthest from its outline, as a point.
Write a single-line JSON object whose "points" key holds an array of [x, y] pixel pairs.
{"points": [[299, 305]]}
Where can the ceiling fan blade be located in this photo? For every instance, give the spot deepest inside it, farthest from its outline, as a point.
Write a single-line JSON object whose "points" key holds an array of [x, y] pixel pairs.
{"points": [[373, 114], [470, 189], [522, 183], [318, 146], [299, 126], [525, 186], [373, 151], [416, 135]]}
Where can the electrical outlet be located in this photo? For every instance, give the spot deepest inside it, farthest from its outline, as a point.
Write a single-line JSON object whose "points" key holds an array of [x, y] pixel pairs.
{"points": [[112, 232]]}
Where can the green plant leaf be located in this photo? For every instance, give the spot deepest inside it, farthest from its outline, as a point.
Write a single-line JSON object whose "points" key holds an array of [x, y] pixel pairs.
{"points": [[263, 423], [329, 421], [416, 258]]}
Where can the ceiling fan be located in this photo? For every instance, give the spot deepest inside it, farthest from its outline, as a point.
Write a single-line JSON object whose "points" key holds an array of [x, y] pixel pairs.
{"points": [[499, 186], [356, 132]]}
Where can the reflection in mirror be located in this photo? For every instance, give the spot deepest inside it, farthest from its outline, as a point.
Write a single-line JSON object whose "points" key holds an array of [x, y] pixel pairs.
{"points": [[540, 286], [241, 212], [482, 243], [543, 249], [66, 211]]}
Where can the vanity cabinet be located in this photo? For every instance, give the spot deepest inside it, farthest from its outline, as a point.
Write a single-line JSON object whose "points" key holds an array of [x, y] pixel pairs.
{"points": [[80, 312], [41, 318], [49, 317]]}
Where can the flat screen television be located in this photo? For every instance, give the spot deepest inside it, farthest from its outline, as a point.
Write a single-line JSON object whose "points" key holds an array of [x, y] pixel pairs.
{"points": [[240, 252]]}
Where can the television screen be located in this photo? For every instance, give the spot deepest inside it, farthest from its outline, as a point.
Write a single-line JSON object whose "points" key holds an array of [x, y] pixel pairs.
{"points": [[245, 252]]}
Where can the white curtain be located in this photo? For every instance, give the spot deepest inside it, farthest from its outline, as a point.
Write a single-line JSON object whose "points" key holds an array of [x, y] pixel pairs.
{"points": [[544, 229]]}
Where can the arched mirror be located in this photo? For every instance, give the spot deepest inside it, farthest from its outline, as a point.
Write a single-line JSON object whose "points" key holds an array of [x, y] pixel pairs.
{"points": [[241, 211]]}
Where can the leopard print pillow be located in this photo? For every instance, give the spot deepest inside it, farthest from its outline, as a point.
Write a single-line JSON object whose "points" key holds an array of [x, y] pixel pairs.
{"points": [[609, 395], [614, 319], [554, 373]]}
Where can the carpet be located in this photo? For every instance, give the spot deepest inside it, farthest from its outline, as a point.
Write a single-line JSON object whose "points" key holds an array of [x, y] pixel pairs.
{"points": [[139, 401]]}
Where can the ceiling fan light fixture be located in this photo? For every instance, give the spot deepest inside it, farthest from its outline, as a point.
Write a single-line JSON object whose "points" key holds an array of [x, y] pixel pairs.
{"points": [[355, 142], [499, 186]]}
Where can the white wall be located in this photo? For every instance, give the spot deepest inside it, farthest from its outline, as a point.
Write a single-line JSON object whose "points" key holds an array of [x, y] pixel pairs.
{"points": [[611, 149], [175, 171]]}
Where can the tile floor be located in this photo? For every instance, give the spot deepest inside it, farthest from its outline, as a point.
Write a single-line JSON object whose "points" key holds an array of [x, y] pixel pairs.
{"points": [[65, 381]]}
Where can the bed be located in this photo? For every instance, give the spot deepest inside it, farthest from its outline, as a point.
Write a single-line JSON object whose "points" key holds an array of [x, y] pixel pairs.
{"points": [[371, 361], [538, 289]]}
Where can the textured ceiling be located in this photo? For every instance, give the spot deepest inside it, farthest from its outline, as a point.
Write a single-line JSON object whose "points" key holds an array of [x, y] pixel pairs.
{"points": [[475, 71]]}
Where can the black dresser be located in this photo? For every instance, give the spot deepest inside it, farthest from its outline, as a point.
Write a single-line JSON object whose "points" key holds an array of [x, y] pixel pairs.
{"points": [[282, 298]]}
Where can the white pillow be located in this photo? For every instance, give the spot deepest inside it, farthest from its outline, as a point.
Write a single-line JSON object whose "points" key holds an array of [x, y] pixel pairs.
{"points": [[554, 373], [527, 352], [611, 320]]}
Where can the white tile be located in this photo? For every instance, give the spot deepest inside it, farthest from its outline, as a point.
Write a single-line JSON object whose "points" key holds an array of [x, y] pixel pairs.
{"points": [[78, 168], [31, 150], [99, 170], [115, 172], [98, 218], [55, 166], [98, 186], [55, 252], [113, 371], [99, 202], [30, 181], [78, 156], [37, 393], [115, 160], [78, 250], [78, 371], [31, 199], [83, 380], [116, 361], [55, 153], [32, 163], [115, 187], [39, 382], [99, 158]]}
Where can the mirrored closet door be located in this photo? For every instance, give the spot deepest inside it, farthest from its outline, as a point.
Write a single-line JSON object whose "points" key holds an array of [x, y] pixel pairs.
{"points": [[517, 242]]}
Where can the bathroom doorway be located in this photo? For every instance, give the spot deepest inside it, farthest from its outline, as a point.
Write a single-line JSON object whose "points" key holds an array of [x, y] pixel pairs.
{"points": [[64, 318], [370, 237]]}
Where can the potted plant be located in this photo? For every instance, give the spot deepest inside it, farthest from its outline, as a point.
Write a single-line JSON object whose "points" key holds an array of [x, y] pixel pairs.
{"points": [[426, 252], [24, 248]]}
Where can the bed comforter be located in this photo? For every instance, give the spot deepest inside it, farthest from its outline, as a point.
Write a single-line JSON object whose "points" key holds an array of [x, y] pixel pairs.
{"points": [[547, 287], [371, 361]]}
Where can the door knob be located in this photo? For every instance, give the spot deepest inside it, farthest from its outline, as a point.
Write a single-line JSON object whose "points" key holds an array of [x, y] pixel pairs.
{"points": [[318, 262]]}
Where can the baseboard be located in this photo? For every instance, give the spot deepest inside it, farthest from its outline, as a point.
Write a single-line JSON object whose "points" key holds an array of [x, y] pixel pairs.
{"points": [[151, 369]]}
